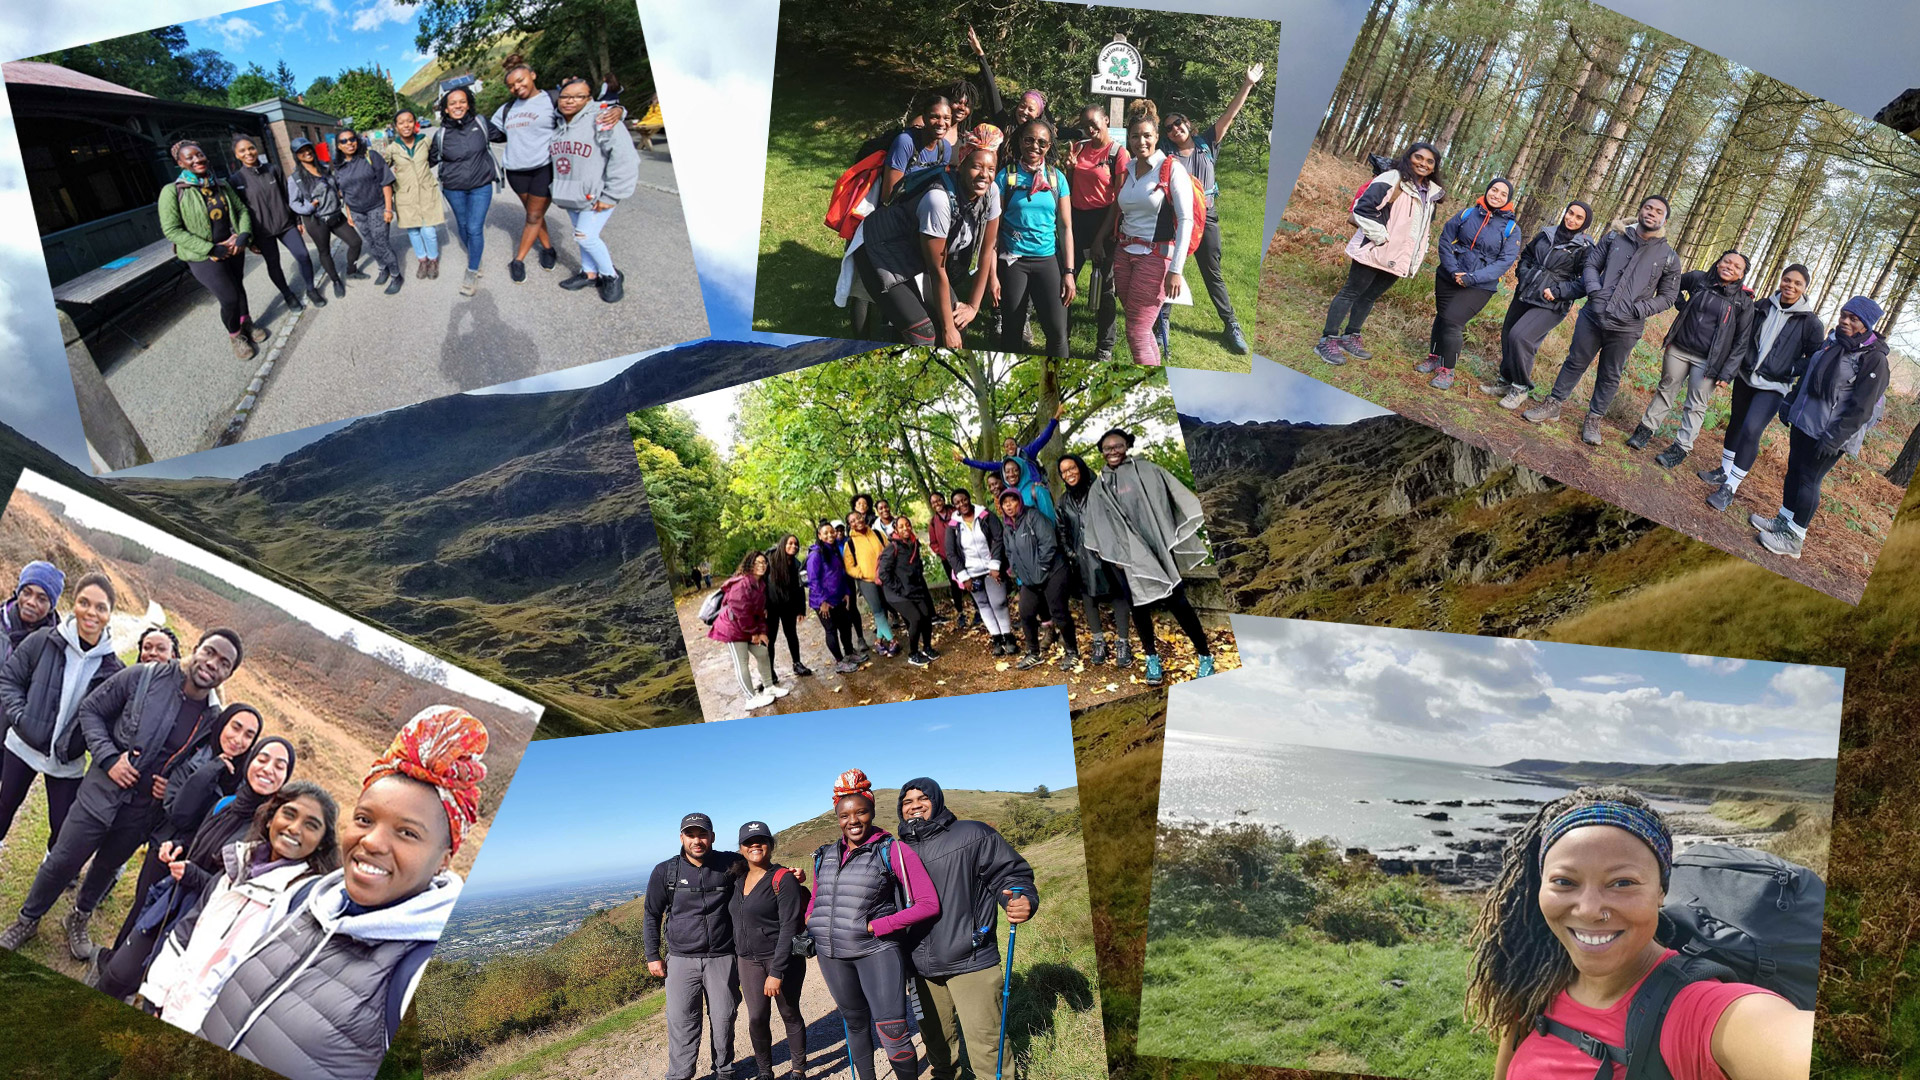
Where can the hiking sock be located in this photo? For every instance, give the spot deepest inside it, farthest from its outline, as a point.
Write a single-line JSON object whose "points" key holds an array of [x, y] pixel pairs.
{"points": [[1726, 462], [1735, 474]]}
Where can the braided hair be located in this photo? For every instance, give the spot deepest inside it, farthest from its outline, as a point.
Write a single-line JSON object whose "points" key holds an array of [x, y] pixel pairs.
{"points": [[1518, 963]]}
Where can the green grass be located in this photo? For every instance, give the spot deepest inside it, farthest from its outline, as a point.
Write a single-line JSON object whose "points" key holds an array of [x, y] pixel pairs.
{"points": [[1294, 1002], [818, 124], [615, 1022]]}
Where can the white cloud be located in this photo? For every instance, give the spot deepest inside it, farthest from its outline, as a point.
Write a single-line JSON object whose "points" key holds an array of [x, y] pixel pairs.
{"points": [[1807, 687], [233, 31], [938, 727], [1719, 665], [1610, 680], [379, 13], [325, 7]]}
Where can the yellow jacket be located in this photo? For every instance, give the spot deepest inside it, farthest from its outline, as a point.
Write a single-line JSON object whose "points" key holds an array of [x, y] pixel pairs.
{"points": [[863, 554]]}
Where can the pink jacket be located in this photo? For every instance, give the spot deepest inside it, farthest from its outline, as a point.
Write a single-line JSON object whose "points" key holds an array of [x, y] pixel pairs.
{"points": [[1400, 244], [743, 613]]}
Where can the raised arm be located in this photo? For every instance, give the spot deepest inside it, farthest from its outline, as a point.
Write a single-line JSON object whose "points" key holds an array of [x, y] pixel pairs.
{"points": [[1221, 125], [988, 86]]}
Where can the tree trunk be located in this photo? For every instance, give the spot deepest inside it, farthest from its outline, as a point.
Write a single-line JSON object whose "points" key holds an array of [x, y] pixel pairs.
{"points": [[1542, 108], [1622, 117], [1354, 81], [1707, 201], [1509, 101], [1901, 471], [1468, 91], [1906, 236], [1596, 71]]}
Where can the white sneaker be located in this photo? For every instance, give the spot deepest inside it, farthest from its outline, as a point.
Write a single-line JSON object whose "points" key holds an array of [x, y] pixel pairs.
{"points": [[760, 700], [777, 690]]}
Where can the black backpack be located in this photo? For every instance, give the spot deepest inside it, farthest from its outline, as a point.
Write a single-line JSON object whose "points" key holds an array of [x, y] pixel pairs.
{"points": [[1734, 914]]}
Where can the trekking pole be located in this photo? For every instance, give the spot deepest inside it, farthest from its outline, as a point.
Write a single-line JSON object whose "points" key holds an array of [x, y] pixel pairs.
{"points": [[1006, 993]]}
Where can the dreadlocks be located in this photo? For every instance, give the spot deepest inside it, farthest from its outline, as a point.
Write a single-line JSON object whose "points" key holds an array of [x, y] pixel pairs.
{"points": [[1518, 963]]}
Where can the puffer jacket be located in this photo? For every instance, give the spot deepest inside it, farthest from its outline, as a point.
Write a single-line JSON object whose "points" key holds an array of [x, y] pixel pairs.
{"points": [[1545, 265], [972, 867], [1724, 307], [743, 610], [1394, 220], [903, 573], [827, 580], [699, 921], [1630, 277], [310, 1000], [416, 190], [592, 166], [852, 888], [119, 718], [32, 687], [14, 630], [1774, 365], [1479, 243], [1840, 395]]}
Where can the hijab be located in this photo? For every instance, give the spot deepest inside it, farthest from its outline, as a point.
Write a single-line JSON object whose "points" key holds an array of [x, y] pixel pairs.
{"points": [[1561, 234]]}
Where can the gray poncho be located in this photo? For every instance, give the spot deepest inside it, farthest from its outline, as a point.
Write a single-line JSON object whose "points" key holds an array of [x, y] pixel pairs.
{"points": [[1145, 522]]}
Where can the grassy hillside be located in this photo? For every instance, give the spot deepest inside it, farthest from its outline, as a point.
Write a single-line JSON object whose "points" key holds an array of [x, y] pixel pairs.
{"points": [[796, 843], [1811, 777], [419, 86]]}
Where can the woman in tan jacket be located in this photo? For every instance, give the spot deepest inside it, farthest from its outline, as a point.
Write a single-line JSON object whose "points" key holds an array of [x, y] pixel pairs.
{"points": [[416, 190]]}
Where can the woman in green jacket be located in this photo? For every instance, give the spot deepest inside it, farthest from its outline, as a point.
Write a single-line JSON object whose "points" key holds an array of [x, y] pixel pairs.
{"points": [[210, 227]]}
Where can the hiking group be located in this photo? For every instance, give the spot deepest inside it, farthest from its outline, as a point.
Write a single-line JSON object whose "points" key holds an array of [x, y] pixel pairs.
{"points": [[1828, 388], [890, 918], [1120, 537], [259, 920], [977, 203], [560, 147]]}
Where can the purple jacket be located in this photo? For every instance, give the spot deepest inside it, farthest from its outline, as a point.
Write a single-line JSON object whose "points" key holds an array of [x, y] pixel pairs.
{"points": [[743, 612], [826, 577]]}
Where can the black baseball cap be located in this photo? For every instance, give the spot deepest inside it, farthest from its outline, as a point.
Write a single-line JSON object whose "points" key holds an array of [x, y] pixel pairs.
{"points": [[755, 828], [697, 821]]}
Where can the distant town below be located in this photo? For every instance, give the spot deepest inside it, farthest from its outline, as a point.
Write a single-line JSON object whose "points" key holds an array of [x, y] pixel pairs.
{"points": [[525, 920]]}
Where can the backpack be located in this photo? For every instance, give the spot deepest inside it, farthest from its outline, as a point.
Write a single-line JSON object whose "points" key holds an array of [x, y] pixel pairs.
{"points": [[803, 945], [710, 607], [1736, 914], [1168, 224], [1378, 165], [861, 178]]}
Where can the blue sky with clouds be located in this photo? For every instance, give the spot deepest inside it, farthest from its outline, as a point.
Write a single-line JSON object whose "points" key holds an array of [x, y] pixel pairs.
{"points": [[605, 805], [315, 37]]}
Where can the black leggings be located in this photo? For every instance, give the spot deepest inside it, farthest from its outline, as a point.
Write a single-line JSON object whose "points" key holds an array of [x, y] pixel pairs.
{"points": [[1086, 227], [16, 776], [1806, 468], [1454, 306], [838, 624], [1052, 593], [917, 613], [296, 246], [753, 991], [222, 278], [1753, 410], [1354, 302], [1180, 607], [323, 233], [1122, 614], [1032, 281], [1207, 257], [788, 621], [901, 305], [871, 992]]}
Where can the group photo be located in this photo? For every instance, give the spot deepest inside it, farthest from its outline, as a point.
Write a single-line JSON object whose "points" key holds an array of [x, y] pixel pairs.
{"points": [[1639, 268], [223, 803], [895, 908], [916, 523], [259, 227], [1407, 853], [1032, 177]]}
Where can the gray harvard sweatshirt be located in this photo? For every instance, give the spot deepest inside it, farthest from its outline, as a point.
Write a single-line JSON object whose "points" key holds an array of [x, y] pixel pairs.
{"points": [[590, 164]]}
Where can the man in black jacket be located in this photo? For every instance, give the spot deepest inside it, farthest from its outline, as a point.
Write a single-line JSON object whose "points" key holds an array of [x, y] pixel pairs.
{"points": [[956, 957], [146, 727], [692, 891], [1632, 275]]}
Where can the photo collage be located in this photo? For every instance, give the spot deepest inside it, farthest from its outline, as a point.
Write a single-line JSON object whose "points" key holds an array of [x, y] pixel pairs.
{"points": [[1188, 540]]}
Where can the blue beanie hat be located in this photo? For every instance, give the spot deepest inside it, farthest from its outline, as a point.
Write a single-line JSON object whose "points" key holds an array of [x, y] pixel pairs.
{"points": [[46, 576], [1864, 309]]}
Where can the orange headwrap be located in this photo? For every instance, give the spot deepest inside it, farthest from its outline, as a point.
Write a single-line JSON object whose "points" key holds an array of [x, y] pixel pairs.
{"points": [[853, 782], [442, 745]]}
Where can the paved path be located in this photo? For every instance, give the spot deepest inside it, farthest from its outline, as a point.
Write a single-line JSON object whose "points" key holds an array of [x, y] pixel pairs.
{"points": [[368, 351]]}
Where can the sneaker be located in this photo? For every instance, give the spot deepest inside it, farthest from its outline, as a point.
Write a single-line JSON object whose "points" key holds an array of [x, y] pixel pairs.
{"points": [[384, 275], [1030, 660], [1590, 430], [548, 258], [1237, 339], [1671, 456], [1328, 349], [1351, 345], [470, 284], [1721, 497], [778, 691], [1776, 523], [1499, 388], [362, 275], [78, 945], [1103, 355], [864, 656], [760, 700], [242, 347], [1430, 364], [801, 671], [293, 300], [845, 667], [517, 270], [394, 285], [579, 280], [1544, 413], [1642, 435], [1155, 673], [317, 298], [21, 932], [612, 288], [1442, 380], [1206, 667], [1123, 656], [918, 659], [930, 653], [339, 288], [1785, 542], [1068, 662], [1098, 654], [257, 333], [1515, 398], [1715, 476]]}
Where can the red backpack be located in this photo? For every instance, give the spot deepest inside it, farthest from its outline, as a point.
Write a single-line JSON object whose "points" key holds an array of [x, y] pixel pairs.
{"points": [[1168, 226], [850, 190]]}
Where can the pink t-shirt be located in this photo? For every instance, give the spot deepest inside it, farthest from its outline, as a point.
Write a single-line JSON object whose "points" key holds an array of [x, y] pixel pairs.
{"points": [[1091, 182], [1686, 1040]]}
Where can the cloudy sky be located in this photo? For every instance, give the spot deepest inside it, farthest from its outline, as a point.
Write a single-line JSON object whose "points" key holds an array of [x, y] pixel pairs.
{"points": [[712, 62], [1485, 701]]}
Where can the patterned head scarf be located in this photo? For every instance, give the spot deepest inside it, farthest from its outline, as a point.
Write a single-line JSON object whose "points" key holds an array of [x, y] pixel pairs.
{"points": [[442, 746], [853, 782], [1642, 823], [982, 137]]}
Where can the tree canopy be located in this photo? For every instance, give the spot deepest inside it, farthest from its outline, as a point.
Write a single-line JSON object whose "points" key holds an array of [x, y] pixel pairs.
{"points": [[559, 38], [156, 62], [363, 93]]}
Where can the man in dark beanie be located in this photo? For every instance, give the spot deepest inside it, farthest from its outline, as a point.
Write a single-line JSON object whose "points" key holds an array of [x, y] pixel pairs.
{"points": [[31, 606], [1631, 275], [1785, 333]]}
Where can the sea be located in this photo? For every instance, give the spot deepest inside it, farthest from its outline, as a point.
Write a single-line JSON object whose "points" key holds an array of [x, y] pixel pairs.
{"points": [[1344, 794]]}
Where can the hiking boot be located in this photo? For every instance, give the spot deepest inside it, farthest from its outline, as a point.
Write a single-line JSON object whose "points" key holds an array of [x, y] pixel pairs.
{"points": [[1721, 497], [1328, 349], [1237, 339], [433, 267], [1103, 355], [316, 298], [548, 257], [1442, 380], [242, 347], [1123, 656], [394, 285], [1590, 430], [75, 924], [1206, 667], [1642, 435], [1429, 365], [470, 284], [1352, 346], [1068, 662], [257, 334], [362, 275], [21, 932], [1716, 475], [517, 270], [1498, 388], [384, 275], [293, 300], [845, 667], [613, 288], [801, 671], [1031, 660], [1515, 398], [918, 659], [1098, 654], [1544, 413], [339, 288], [92, 975], [1671, 456], [758, 701], [1155, 673], [420, 268], [580, 280], [1786, 542]]}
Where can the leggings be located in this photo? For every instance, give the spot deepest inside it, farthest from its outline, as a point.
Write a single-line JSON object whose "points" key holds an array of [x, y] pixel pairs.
{"points": [[746, 656], [425, 241], [222, 278], [753, 986], [1032, 281], [787, 621], [1181, 608], [990, 596], [871, 992], [1122, 614], [296, 246], [379, 242], [16, 776], [1753, 410], [837, 622], [917, 613], [323, 233], [1354, 302], [1086, 226], [901, 305], [594, 257], [1141, 281], [1453, 306], [1806, 468], [877, 604], [470, 207], [1053, 593], [1524, 328], [1207, 257]]}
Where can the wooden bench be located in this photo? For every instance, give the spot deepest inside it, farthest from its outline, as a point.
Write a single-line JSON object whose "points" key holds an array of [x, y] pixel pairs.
{"points": [[91, 289]]}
